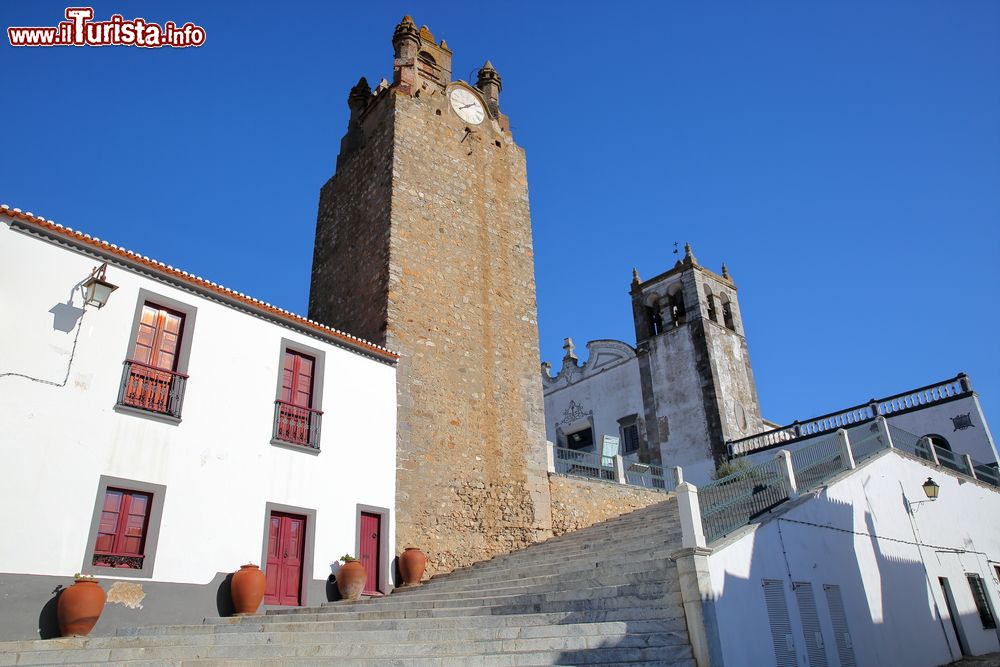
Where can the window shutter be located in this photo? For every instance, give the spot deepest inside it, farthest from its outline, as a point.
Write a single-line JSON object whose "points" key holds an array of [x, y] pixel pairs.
{"points": [[297, 379], [810, 623], [982, 604], [781, 627], [158, 338], [845, 645], [107, 531]]}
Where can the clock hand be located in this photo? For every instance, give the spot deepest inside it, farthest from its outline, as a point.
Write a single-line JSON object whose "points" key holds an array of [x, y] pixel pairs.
{"points": [[468, 105]]}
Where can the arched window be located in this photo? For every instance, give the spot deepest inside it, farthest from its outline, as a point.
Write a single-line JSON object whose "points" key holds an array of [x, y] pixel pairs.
{"points": [[426, 57], [654, 319], [713, 313], [939, 441], [675, 303], [727, 312]]}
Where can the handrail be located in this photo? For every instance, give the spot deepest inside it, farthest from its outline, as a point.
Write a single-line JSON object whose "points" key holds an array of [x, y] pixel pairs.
{"points": [[830, 422], [299, 407], [155, 368]]}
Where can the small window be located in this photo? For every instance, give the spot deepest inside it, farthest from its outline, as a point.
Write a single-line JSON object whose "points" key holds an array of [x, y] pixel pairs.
{"points": [[982, 603], [630, 436], [121, 535], [727, 314], [581, 440], [124, 528]]}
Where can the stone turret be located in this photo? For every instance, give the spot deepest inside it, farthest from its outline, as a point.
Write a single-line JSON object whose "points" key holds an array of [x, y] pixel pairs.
{"points": [[489, 82]]}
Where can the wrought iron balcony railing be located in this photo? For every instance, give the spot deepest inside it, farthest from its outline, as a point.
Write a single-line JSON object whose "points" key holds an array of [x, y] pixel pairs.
{"points": [[296, 425], [150, 388], [106, 559]]}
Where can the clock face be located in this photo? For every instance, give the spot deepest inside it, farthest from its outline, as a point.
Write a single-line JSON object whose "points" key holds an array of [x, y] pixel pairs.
{"points": [[467, 106]]}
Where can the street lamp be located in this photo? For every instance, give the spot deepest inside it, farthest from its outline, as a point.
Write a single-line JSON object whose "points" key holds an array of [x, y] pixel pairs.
{"points": [[931, 489], [96, 289]]}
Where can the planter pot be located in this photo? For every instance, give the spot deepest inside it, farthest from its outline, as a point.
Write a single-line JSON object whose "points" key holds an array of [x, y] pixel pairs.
{"points": [[247, 589], [411, 566], [351, 580], [79, 607]]}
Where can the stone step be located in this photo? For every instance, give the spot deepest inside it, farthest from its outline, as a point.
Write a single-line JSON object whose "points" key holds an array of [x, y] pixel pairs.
{"points": [[658, 616], [647, 552], [627, 566], [645, 658], [640, 533], [643, 591], [554, 582], [602, 604], [614, 646], [395, 637], [572, 550]]}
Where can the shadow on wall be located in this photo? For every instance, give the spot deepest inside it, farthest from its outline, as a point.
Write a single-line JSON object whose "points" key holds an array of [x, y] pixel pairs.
{"points": [[890, 608], [65, 316], [48, 620]]}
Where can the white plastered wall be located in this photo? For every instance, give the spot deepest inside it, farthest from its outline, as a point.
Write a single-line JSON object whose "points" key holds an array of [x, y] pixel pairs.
{"points": [[856, 534], [218, 464]]}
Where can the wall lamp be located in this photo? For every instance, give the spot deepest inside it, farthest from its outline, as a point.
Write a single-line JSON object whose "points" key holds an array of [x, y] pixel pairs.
{"points": [[96, 288], [931, 490]]}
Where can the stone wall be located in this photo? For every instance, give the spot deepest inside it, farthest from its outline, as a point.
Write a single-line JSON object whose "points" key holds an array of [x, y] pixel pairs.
{"points": [[471, 477], [423, 243], [578, 503]]}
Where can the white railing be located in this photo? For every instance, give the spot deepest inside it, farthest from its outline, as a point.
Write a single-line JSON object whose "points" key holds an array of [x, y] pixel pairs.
{"points": [[731, 502], [619, 469], [858, 414]]}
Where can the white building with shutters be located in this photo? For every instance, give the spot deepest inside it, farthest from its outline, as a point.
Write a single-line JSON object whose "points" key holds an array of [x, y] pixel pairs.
{"points": [[179, 431]]}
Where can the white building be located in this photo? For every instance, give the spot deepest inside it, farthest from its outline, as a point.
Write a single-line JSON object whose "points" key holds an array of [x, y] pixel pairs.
{"points": [[177, 432], [857, 550], [685, 394]]}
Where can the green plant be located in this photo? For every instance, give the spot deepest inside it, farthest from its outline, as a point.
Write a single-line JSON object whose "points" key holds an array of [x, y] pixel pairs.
{"points": [[79, 575], [347, 558], [730, 467]]}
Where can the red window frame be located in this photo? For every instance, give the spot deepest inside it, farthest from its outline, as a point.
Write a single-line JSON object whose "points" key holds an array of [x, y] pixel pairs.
{"points": [[121, 533]]}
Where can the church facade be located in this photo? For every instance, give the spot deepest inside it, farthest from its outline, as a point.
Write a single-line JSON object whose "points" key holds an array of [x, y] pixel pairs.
{"points": [[680, 394]]}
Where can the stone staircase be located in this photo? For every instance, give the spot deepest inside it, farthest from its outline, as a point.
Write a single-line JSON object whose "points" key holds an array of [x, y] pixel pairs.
{"points": [[607, 594]]}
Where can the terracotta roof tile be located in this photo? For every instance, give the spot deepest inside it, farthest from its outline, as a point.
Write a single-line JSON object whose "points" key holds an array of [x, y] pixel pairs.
{"points": [[55, 229]]}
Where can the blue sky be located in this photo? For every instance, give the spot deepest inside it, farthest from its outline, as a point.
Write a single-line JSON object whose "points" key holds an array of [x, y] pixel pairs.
{"points": [[843, 158]]}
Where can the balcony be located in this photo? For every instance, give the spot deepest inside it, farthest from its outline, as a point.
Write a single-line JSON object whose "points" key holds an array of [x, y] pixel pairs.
{"points": [[296, 425], [152, 389], [107, 559]]}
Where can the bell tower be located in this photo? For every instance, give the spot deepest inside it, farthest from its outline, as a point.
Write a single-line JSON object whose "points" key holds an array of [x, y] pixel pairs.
{"points": [[694, 364], [423, 243]]}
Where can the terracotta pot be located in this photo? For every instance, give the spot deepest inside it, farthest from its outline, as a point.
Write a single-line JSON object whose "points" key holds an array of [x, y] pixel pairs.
{"points": [[247, 589], [79, 607], [411, 566], [351, 580]]}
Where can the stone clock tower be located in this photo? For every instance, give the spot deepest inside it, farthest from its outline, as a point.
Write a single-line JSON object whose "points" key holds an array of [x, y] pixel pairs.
{"points": [[423, 244]]}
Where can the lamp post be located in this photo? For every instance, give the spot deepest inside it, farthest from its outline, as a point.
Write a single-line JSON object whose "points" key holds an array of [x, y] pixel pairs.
{"points": [[96, 288]]}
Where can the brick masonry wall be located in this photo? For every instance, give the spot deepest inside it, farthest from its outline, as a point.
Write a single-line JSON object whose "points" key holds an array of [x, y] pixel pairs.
{"points": [[424, 243], [578, 503]]}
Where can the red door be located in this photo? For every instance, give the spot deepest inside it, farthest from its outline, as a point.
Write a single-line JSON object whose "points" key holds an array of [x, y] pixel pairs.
{"points": [[285, 545], [371, 540]]}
